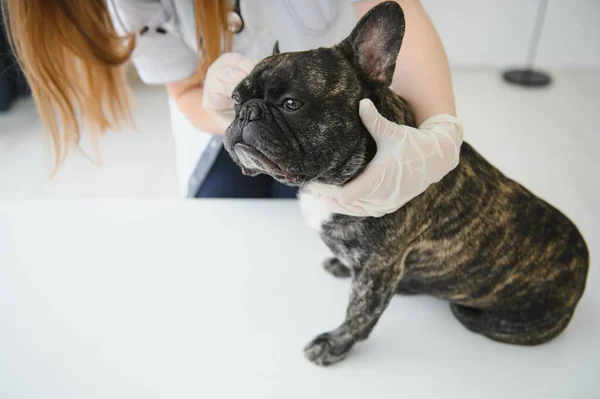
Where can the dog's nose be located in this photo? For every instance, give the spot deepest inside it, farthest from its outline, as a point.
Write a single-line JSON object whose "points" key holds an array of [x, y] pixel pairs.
{"points": [[255, 112], [251, 111]]}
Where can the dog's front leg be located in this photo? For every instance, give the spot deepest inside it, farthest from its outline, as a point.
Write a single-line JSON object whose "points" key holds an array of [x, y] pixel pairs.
{"points": [[372, 289]]}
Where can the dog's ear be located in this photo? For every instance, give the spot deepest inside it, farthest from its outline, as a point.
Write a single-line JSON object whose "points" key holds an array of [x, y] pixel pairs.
{"points": [[374, 43], [276, 48]]}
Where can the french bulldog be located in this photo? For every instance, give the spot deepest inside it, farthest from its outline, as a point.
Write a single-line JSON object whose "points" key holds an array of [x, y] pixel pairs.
{"points": [[511, 266]]}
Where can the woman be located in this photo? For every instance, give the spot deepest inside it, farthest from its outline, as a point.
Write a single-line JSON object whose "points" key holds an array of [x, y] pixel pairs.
{"points": [[73, 54]]}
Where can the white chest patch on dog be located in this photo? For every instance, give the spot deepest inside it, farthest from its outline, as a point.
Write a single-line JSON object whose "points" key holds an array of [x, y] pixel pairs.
{"points": [[313, 209]]}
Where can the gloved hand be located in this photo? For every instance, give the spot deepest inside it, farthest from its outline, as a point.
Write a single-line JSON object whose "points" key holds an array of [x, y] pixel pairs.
{"points": [[221, 79], [408, 160]]}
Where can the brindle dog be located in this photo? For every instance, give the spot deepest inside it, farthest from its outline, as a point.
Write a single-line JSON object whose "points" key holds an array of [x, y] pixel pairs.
{"points": [[512, 267]]}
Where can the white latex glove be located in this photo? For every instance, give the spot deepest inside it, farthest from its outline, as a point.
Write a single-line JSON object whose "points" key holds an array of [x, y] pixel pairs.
{"points": [[221, 79], [408, 160]]}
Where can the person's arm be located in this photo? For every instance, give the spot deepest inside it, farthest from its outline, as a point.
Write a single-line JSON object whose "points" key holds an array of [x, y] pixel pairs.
{"points": [[209, 106], [408, 159], [162, 57], [188, 95], [422, 74]]}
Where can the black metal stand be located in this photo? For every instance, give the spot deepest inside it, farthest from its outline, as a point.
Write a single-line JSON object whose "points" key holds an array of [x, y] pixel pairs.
{"points": [[528, 76]]}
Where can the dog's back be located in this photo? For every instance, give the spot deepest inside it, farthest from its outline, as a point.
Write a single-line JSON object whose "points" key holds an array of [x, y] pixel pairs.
{"points": [[512, 266]]}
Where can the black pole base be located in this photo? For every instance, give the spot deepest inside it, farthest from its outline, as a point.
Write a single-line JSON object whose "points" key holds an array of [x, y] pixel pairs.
{"points": [[527, 77]]}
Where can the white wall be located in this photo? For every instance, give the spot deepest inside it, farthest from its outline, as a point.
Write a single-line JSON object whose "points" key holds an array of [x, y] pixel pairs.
{"points": [[497, 33]]}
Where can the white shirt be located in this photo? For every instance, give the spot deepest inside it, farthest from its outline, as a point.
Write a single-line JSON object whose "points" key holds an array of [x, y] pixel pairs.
{"points": [[162, 58]]}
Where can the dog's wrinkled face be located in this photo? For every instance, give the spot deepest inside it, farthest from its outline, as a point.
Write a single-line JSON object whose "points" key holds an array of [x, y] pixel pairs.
{"points": [[297, 117], [297, 113]]}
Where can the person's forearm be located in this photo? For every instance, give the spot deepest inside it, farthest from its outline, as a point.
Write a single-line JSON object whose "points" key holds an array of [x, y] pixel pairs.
{"points": [[190, 104], [408, 159], [422, 74], [207, 102]]}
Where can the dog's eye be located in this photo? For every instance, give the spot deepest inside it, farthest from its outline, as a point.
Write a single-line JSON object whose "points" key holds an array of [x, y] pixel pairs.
{"points": [[291, 105], [236, 98]]}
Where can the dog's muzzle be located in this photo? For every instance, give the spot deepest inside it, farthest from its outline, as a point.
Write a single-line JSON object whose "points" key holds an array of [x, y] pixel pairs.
{"points": [[252, 110], [247, 144]]}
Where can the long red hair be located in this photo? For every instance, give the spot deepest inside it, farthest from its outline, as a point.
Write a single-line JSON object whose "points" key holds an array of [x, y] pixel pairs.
{"points": [[75, 62]]}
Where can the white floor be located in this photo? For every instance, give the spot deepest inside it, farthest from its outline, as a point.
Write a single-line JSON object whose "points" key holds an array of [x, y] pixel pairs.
{"points": [[142, 165]]}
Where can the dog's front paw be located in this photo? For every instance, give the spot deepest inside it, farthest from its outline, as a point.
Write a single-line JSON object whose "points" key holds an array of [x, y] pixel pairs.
{"points": [[327, 349], [336, 268]]}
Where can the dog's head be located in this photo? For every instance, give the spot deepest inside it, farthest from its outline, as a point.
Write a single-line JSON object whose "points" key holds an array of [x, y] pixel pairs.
{"points": [[297, 113]]}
